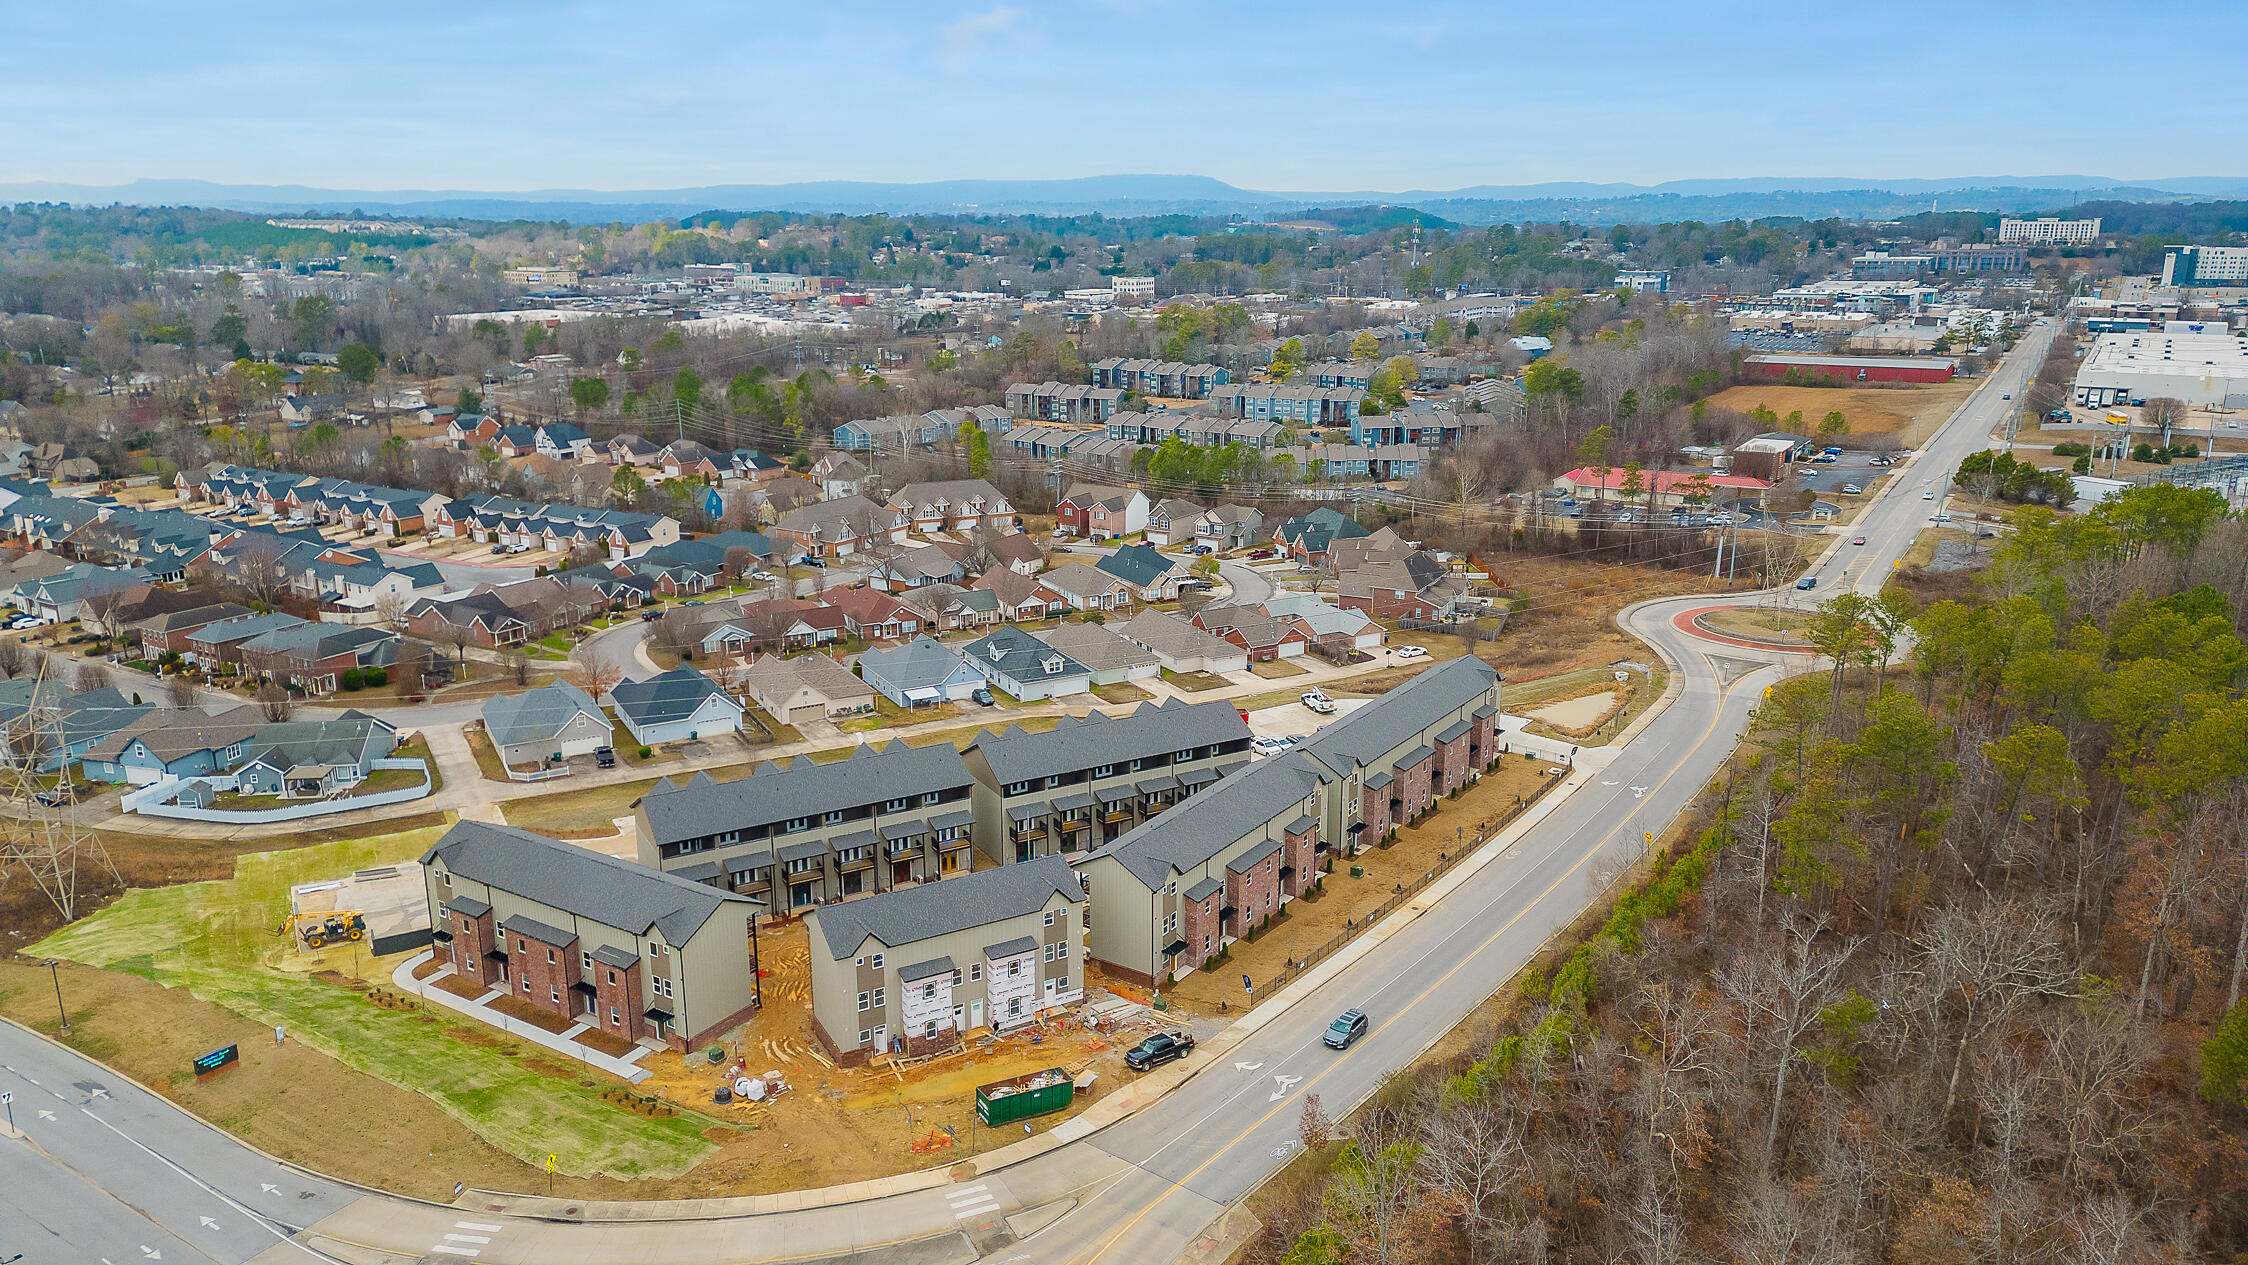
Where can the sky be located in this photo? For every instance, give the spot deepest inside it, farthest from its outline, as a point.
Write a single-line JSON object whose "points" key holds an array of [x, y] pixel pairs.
{"points": [[1309, 95]]}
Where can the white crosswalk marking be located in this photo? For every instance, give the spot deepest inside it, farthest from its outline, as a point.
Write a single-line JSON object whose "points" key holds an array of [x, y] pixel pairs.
{"points": [[486, 1227], [452, 1244], [971, 1201], [449, 1250], [468, 1238]]}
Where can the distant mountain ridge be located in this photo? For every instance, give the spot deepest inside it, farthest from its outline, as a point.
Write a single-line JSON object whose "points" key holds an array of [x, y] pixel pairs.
{"points": [[1135, 195]]}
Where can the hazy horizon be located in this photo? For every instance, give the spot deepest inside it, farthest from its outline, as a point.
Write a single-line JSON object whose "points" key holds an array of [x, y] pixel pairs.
{"points": [[508, 97]]}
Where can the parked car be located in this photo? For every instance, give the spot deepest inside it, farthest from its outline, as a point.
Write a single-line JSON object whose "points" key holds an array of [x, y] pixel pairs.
{"points": [[1851, 489], [763, 577], [606, 757], [815, 562], [649, 617], [1158, 1050], [499, 549], [1319, 702], [1347, 1027], [1412, 652], [983, 697], [1260, 553], [1262, 745], [1201, 550]]}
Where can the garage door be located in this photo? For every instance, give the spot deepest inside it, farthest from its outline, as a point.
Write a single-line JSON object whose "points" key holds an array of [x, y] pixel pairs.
{"points": [[802, 715]]}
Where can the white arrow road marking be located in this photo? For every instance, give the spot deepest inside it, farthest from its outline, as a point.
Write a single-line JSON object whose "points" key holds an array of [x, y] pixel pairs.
{"points": [[208, 1224], [46, 1115], [485, 1226], [1247, 1067], [1638, 792], [1286, 1083], [269, 1188], [150, 1253]]}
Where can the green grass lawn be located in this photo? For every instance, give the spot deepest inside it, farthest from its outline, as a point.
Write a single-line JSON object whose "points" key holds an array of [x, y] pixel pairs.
{"points": [[217, 940]]}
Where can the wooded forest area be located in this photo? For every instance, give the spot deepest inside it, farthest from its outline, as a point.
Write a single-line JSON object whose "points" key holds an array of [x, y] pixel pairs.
{"points": [[1950, 969]]}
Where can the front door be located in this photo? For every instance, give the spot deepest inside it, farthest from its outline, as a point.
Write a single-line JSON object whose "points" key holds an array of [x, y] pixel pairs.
{"points": [[975, 1013], [901, 872]]}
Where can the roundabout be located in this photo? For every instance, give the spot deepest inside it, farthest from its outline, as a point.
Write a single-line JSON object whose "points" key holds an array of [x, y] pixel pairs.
{"points": [[1748, 627]]}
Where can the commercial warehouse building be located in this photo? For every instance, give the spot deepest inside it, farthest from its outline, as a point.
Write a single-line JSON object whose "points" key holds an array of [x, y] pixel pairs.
{"points": [[2187, 360]]}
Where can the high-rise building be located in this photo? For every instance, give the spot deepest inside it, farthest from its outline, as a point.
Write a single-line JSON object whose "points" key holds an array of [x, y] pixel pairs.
{"points": [[2050, 231]]}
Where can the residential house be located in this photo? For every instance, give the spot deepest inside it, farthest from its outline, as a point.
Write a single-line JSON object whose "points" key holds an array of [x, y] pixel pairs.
{"points": [[1019, 553], [956, 505], [1179, 646], [482, 619], [873, 615], [1309, 537], [840, 474], [634, 450], [1087, 781], [911, 566], [1171, 894], [809, 833], [51, 726], [220, 642], [1155, 576], [838, 528], [314, 656], [1228, 527], [629, 950], [1394, 580], [63, 596], [892, 434], [1022, 598], [1021, 665], [1100, 513], [1263, 637], [169, 631], [681, 705], [922, 671], [179, 744], [562, 440], [914, 971], [314, 759], [1089, 588], [805, 689], [775, 623], [1326, 622], [950, 608], [555, 720], [1111, 659], [1173, 522]]}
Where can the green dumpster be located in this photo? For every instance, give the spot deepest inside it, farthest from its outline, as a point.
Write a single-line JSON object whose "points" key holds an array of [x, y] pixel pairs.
{"points": [[1022, 1097]]}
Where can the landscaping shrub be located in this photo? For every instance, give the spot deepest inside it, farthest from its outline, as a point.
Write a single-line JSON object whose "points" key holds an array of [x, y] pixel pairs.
{"points": [[352, 679], [645, 752]]}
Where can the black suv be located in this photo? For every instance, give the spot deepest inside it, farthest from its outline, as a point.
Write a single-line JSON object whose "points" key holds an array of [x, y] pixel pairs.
{"points": [[1347, 1027], [606, 757]]}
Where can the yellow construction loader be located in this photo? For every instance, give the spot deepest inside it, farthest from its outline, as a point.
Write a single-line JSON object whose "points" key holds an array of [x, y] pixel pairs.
{"points": [[319, 928]]}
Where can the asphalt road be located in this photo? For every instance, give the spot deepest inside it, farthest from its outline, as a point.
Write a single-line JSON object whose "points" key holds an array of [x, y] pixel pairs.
{"points": [[111, 1173]]}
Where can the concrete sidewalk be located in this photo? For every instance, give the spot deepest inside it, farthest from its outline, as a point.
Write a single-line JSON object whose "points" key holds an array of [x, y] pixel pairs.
{"points": [[560, 1043]]}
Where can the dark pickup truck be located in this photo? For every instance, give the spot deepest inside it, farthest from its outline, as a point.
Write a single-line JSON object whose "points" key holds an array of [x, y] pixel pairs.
{"points": [[1158, 1050]]}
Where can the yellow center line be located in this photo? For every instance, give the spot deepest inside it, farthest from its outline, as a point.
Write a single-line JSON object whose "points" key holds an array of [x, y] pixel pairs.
{"points": [[1465, 959]]}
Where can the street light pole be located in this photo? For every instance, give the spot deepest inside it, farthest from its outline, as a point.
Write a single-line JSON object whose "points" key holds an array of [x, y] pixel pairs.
{"points": [[54, 969]]}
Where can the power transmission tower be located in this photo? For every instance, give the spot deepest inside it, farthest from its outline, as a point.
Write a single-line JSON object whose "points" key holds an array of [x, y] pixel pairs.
{"points": [[39, 826]]}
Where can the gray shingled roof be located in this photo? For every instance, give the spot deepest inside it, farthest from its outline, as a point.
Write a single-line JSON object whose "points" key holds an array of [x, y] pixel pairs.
{"points": [[1378, 728], [1204, 889], [544, 933], [670, 697], [1098, 648], [537, 714], [923, 970], [609, 891], [1011, 948], [804, 789], [1211, 820], [911, 914], [1247, 861], [1097, 739]]}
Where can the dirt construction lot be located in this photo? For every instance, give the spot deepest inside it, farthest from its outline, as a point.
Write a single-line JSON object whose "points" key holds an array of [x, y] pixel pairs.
{"points": [[1312, 922], [1900, 416]]}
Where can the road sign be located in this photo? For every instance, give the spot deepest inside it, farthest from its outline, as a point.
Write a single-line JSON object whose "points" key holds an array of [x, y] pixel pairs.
{"points": [[550, 1163], [1246, 987], [6, 1098], [217, 1060]]}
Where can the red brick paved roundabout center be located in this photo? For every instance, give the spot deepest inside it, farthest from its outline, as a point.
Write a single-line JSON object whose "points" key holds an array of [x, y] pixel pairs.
{"points": [[1691, 622]]}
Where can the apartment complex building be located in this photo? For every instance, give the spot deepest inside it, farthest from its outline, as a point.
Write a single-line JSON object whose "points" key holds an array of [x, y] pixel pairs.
{"points": [[1167, 378], [912, 971], [629, 950], [1176, 889], [809, 833], [1088, 781], [1301, 405], [1063, 402]]}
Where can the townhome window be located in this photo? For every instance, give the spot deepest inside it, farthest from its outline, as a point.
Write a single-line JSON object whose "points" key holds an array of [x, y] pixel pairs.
{"points": [[1018, 788], [875, 961], [878, 996], [1171, 888], [798, 823], [931, 797], [1105, 770], [550, 956], [956, 977], [585, 961], [866, 1035], [1170, 923], [612, 977], [1135, 765], [865, 999], [1061, 950], [928, 992], [1014, 968], [1049, 955], [975, 971], [895, 806], [655, 948], [554, 992], [1188, 754], [831, 817]]}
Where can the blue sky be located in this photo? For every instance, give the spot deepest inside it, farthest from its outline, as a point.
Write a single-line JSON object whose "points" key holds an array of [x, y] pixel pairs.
{"points": [[503, 95]]}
